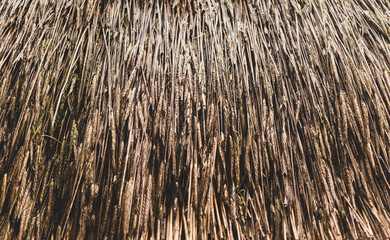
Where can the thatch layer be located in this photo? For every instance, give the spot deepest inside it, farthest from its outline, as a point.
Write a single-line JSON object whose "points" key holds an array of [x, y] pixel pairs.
{"points": [[194, 119]]}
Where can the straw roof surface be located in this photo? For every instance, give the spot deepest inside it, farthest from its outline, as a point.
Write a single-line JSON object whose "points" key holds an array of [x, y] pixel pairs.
{"points": [[207, 119]]}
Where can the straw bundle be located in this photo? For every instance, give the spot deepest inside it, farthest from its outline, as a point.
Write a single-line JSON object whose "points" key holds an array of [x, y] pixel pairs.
{"points": [[194, 119]]}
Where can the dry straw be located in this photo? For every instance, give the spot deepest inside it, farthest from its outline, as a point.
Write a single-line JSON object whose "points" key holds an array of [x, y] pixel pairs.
{"points": [[194, 119]]}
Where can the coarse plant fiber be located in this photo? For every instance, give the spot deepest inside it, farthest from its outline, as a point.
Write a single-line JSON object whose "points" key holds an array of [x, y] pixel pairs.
{"points": [[207, 119]]}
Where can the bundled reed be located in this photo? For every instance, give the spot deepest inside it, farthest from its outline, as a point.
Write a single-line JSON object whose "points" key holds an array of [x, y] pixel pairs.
{"points": [[194, 119]]}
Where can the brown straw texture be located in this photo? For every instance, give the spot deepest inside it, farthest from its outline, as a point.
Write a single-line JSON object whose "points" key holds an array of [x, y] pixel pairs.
{"points": [[266, 119]]}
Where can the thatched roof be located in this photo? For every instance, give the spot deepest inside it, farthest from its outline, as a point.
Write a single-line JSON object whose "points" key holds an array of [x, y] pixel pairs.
{"points": [[195, 119]]}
